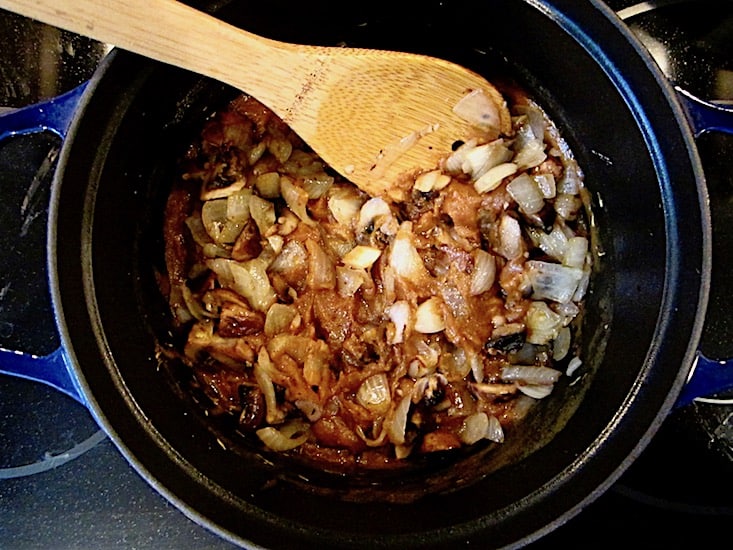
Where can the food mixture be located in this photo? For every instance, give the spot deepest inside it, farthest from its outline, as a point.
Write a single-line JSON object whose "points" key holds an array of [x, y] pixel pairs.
{"points": [[359, 330]]}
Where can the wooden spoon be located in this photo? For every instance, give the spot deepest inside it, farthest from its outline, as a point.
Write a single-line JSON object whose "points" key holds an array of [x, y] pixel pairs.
{"points": [[371, 115]]}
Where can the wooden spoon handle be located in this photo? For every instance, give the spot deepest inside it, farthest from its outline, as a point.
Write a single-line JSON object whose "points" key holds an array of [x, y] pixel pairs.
{"points": [[372, 115], [174, 33]]}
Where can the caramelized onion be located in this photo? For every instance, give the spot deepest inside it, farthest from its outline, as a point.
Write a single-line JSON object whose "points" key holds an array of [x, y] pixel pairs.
{"points": [[530, 375], [429, 316], [296, 198], [475, 428], [435, 180], [525, 191], [553, 281], [399, 314], [286, 438], [374, 393], [398, 423], [484, 272], [361, 257], [372, 328]]}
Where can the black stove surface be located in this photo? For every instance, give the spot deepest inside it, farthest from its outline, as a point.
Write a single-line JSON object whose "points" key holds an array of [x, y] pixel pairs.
{"points": [[63, 484]]}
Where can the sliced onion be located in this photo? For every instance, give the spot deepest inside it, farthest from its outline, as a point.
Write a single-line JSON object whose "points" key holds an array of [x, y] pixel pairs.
{"points": [[546, 185], [374, 393], [213, 250], [484, 272], [296, 198], [571, 182], [248, 279], [345, 204], [429, 316], [268, 185], [261, 370], [312, 410], [288, 437], [475, 428], [435, 180], [543, 324], [494, 176], [252, 282], [573, 365], [222, 192], [263, 213], [582, 285], [495, 432], [490, 391], [567, 206], [361, 257], [530, 374], [256, 152], [377, 441], [217, 224], [402, 451], [554, 243], [398, 424], [194, 307], [524, 190], [536, 391], [454, 163], [238, 206], [530, 148], [477, 367], [455, 364], [198, 231], [561, 344], [276, 243], [399, 314], [535, 118], [280, 148], [427, 354], [568, 311], [510, 238], [575, 252], [553, 281], [349, 280], [317, 185], [404, 257], [477, 161], [531, 154], [321, 268], [315, 361], [279, 318], [292, 255]]}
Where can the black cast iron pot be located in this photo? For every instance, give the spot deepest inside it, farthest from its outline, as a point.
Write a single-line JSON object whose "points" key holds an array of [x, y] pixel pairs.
{"points": [[645, 309]]}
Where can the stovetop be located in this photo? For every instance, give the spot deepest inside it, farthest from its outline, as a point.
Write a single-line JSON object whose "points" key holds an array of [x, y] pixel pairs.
{"points": [[63, 484]]}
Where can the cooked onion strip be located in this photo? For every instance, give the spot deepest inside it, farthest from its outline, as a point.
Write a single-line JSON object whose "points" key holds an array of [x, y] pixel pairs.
{"points": [[288, 437], [429, 316]]}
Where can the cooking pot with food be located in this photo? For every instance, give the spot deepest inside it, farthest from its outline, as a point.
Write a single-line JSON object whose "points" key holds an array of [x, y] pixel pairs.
{"points": [[633, 139]]}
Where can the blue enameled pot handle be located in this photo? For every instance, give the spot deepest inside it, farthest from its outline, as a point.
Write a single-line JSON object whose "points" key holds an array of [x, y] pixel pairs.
{"points": [[708, 377], [706, 116], [54, 115]]}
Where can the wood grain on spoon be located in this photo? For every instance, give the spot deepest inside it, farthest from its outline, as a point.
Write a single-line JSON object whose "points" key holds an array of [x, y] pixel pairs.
{"points": [[372, 115]]}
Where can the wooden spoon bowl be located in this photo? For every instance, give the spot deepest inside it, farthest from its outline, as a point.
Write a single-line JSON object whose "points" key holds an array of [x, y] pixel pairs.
{"points": [[374, 116]]}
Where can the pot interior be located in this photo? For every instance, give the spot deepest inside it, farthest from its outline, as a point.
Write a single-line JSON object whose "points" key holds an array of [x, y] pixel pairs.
{"points": [[118, 167]]}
